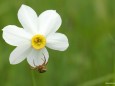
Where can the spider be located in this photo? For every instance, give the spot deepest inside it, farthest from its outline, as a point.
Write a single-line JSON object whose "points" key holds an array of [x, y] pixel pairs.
{"points": [[41, 68]]}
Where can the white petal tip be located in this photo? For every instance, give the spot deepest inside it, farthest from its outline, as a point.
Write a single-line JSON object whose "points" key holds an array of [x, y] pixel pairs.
{"points": [[5, 27], [23, 5], [54, 10], [67, 45], [11, 62], [51, 11]]}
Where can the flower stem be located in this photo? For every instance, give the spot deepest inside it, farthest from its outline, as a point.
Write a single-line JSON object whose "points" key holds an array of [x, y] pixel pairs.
{"points": [[33, 78]]}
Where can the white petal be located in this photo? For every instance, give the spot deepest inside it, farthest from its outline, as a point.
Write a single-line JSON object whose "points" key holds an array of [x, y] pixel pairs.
{"points": [[38, 57], [19, 54], [15, 36], [49, 21], [28, 18], [57, 41]]}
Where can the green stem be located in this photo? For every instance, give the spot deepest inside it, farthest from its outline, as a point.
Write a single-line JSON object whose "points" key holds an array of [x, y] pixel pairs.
{"points": [[113, 55], [33, 78], [114, 64]]}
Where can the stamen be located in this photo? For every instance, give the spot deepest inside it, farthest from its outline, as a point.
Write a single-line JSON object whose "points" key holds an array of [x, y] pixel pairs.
{"points": [[38, 41]]}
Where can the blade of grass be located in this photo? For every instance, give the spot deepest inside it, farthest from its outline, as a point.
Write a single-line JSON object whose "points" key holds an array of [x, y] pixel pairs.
{"points": [[98, 80]]}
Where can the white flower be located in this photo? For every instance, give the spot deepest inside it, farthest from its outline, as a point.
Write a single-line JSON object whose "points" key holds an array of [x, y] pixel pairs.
{"points": [[37, 33]]}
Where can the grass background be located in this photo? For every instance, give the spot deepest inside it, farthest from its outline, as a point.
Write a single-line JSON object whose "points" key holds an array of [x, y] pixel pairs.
{"points": [[89, 60]]}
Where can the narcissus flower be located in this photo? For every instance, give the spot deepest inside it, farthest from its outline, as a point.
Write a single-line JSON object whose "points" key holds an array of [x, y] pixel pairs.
{"points": [[38, 32]]}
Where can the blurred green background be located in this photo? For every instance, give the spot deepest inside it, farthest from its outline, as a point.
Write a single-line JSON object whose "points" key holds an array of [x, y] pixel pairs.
{"points": [[89, 60]]}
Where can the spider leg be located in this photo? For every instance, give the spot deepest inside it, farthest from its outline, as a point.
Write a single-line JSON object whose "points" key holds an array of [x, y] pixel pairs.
{"points": [[34, 64], [44, 59], [32, 67]]}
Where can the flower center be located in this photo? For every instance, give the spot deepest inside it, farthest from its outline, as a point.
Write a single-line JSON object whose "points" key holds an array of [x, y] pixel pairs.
{"points": [[38, 41]]}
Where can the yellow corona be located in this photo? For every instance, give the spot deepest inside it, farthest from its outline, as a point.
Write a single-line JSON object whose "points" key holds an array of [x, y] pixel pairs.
{"points": [[38, 41]]}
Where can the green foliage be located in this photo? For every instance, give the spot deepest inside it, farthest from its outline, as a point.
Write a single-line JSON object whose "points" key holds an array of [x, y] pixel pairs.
{"points": [[89, 60]]}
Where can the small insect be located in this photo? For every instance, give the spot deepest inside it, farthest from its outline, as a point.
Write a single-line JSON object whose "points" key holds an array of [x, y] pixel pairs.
{"points": [[41, 68]]}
